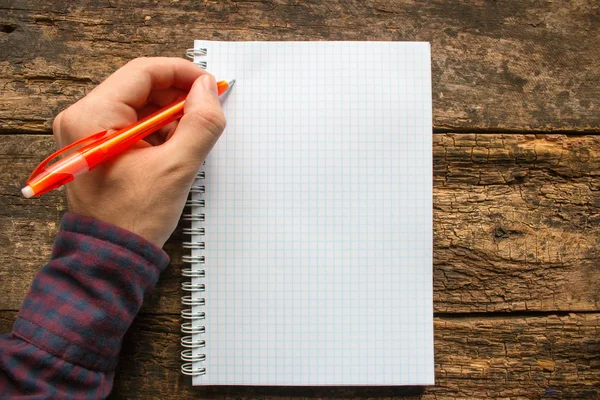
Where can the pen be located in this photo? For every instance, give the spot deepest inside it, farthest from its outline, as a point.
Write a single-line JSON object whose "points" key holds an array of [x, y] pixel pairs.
{"points": [[101, 147]]}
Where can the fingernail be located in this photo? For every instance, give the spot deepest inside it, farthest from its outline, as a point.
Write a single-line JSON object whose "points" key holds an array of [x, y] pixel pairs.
{"points": [[210, 84]]}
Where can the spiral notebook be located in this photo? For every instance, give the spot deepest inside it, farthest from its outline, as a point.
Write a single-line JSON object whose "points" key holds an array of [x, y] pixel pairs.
{"points": [[310, 250]]}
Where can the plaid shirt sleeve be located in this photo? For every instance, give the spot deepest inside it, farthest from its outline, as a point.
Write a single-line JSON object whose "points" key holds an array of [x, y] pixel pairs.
{"points": [[66, 340]]}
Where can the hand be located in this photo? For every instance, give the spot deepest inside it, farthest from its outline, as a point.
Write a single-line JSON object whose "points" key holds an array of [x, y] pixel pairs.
{"points": [[144, 189]]}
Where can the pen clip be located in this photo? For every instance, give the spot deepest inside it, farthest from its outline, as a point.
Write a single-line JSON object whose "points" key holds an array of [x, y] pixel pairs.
{"points": [[42, 167]]}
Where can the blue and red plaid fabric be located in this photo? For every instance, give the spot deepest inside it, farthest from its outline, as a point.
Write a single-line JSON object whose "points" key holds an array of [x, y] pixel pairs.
{"points": [[66, 340]]}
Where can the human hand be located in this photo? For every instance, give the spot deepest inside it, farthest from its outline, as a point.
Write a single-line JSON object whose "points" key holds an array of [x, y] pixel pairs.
{"points": [[144, 189]]}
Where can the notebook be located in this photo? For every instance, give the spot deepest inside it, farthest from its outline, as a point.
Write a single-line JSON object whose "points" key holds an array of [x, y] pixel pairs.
{"points": [[310, 250]]}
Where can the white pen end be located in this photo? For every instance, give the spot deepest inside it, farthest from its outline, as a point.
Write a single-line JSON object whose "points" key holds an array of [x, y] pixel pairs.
{"points": [[27, 192]]}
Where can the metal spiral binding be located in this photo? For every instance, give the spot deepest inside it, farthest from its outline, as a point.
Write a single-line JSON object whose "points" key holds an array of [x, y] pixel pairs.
{"points": [[195, 54], [197, 188], [193, 328]]}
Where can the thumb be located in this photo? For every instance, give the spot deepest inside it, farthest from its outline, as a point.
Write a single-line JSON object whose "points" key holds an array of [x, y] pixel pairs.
{"points": [[202, 123]]}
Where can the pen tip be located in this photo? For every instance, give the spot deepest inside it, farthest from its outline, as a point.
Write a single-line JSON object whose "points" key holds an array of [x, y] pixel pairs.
{"points": [[231, 82]]}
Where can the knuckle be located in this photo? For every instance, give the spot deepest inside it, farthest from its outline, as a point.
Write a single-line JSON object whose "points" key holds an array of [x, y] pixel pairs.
{"points": [[212, 120], [145, 62], [57, 124], [139, 62], [60, 126]]}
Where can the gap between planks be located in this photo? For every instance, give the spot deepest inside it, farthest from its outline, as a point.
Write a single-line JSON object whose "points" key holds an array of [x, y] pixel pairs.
{"points": [[571, 133], [440, 315]]}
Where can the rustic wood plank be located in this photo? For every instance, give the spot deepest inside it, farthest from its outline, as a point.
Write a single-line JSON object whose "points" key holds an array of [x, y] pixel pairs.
{"points": [[7, 318], [501, 65], [477, 358], [516, 224]]}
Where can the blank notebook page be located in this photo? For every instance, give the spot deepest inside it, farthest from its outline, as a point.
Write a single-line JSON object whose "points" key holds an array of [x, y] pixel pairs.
{"points": [[318, 197]]}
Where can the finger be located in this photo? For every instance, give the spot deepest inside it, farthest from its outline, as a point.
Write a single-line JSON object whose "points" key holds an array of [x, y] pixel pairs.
{"points": [[112, 105], [200, 127], [89, 116], [162, 135], [146, 110], [157, 100], [164, 97], [154, 139], [133, 83], [171, 131]]}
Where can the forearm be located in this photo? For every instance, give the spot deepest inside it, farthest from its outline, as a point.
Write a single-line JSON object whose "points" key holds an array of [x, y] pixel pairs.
{"points": [[67, 337]]}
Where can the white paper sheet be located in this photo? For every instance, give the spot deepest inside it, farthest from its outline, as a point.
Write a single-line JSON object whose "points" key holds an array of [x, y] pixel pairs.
{"points": [[319, 216]]}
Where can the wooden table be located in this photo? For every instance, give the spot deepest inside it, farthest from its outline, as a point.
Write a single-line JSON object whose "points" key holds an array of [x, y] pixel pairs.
{"points": [[516, 95]]}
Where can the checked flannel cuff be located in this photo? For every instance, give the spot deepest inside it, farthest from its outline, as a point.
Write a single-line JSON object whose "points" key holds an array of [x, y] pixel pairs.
{"points": [[83, 301]]}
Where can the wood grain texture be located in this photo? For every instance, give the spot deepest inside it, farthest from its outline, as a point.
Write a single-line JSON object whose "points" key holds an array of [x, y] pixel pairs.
{"points": [[500, 65], [475, 358], [7, 318], [516, 217], [516, 224]]}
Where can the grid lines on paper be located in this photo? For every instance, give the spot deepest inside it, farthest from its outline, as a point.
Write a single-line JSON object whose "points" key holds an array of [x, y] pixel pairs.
{"points": [[318, 207]]}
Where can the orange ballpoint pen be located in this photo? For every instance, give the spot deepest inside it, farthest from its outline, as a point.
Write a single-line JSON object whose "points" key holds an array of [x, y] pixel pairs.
{"points": [[100, 147]]}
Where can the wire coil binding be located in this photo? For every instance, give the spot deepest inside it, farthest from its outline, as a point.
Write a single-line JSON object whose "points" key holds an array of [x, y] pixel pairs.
{"points": [[196, 54], [194, 327]]}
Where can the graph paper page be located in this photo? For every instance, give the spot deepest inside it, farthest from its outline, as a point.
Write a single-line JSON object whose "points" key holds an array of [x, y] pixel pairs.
{"points": [[319, 216]]}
